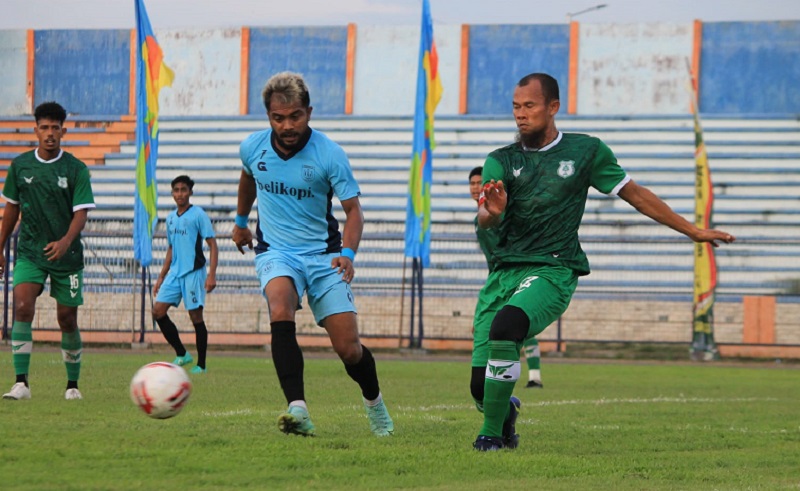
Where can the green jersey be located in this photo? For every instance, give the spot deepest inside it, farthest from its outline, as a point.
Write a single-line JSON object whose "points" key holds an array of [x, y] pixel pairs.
{"points": [[48, 194], [547, 191], [487, 240]]}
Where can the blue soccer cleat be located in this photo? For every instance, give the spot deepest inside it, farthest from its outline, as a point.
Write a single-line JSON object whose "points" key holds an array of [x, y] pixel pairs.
{"points": [[183, 360], [296, 421], [510, 437]]}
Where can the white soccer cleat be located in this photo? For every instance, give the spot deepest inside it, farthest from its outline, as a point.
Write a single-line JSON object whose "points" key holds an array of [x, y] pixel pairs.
{"points": [[72, 394], [18, 391]]}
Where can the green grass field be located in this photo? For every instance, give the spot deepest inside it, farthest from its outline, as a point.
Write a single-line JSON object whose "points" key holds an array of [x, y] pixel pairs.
{"points": [[595, 426]]}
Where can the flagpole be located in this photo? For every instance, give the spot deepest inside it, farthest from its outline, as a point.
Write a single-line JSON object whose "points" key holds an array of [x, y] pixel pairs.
{"points": [[703, 347]]}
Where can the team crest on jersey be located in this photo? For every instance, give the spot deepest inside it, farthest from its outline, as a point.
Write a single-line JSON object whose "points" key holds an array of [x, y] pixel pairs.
{"points": [[566, 168], [308, 173], [62, 182]]}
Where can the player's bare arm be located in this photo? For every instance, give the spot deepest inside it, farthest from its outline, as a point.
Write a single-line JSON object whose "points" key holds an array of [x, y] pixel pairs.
{"points": [[247, 195], [164, 270], [493, 203], [648, 204], [211, 279], [351, 237], [10, 218], [56, 250]]}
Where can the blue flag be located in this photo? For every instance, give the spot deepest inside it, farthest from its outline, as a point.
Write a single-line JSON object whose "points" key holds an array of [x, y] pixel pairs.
{"points": [[429, 92], [151, 75]]}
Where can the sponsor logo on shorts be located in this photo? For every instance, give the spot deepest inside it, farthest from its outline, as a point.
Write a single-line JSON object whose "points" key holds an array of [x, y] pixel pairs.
{"points": [[526, 283]]}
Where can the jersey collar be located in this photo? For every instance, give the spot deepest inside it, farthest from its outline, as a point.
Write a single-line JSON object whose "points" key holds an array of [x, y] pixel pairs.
{"points": [[36, 153], [300, 145], [546, 147]]}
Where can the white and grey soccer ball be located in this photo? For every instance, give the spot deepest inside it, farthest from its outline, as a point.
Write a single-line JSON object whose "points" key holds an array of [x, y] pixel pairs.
{"points": [[161, 389]]}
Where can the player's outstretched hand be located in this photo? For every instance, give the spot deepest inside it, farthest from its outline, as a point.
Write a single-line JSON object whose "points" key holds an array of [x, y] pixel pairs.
{"points": [[713, 236], [2, 261], [242, 237], [495, 197], [344, 267]]}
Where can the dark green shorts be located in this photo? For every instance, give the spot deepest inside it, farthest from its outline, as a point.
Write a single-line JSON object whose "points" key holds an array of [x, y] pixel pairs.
{"points": [[66, 288], [542, 292]]}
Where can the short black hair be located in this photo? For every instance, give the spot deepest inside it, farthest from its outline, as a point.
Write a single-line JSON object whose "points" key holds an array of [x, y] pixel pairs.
{"points": [[549, 85], [50, 110], [477, 171], [184, 179]]}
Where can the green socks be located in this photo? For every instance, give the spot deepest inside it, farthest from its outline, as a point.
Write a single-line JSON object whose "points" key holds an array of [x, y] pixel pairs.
{"points": [[502, 373], [71, 350], [533, 357], [21, 346]]}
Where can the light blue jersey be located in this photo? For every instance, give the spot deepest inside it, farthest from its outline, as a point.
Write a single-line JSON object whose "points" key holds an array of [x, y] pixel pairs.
{"points": [[295, 193], [186, 233]]}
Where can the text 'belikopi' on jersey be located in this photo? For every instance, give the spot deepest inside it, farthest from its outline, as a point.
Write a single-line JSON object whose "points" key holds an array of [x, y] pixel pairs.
{"points": [[48, 194], [185, 234], [547, 191], [295, 194]]}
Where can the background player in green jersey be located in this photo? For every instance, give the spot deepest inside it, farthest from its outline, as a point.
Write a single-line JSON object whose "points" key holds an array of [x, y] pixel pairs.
{"points": [[183, 275], [487, 240], [535, 192], [51, 191]]}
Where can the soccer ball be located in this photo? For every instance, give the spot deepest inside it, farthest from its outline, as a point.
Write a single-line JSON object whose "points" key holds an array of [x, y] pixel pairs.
{"points": [[161, 389]]}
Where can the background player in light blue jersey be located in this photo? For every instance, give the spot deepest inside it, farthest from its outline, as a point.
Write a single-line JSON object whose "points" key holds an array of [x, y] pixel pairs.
{"points": [[295, 171], [183, 275]]}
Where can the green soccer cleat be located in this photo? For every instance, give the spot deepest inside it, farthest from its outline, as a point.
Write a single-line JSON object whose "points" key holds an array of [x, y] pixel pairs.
{"points": [[295, 421], [198, 369], [380, 422], [183, 360]]}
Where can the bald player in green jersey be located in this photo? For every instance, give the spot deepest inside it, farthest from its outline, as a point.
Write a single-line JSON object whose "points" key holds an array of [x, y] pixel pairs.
{"points": [[535, 193], [49, 192]]}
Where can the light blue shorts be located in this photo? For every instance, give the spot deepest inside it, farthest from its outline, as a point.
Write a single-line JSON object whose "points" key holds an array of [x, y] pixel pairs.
{"points": [[191, 288], [327, 293]]}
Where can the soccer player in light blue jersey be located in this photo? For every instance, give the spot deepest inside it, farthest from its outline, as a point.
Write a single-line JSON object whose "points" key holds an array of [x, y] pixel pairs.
{"points": [[295, 172], [183, 275]]}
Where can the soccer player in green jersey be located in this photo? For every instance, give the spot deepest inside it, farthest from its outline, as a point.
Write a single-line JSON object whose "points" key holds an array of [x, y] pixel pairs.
{"points": [[487, 240], [535, 194], [48, 191]]}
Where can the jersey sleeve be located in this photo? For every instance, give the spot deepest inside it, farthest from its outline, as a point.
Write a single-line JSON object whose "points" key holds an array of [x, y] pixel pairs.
{"points": [[341, 175], [82, 197], [10, 190], [245, 151], [206, 229], [607, 175], [492, 169]]}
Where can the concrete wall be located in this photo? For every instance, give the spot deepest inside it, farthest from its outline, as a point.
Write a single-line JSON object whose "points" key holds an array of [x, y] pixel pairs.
{"points": [[13, 72], [207, 63], [746, 68], [634, 68], [385, 80], [87, 71], [318, 53], [500, 55], [750, 67]]}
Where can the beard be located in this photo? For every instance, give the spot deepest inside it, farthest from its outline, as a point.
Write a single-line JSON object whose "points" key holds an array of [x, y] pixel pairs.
{"points": [[533, 140], [287, 146]]}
